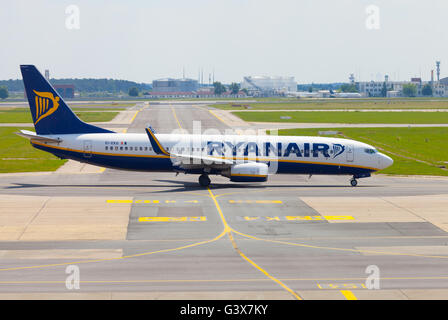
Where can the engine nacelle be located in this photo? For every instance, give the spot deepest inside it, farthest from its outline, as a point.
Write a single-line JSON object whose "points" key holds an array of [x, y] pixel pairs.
{"points": [[249, 172]]}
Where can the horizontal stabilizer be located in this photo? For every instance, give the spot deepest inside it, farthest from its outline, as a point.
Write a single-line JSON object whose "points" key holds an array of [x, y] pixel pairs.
{"points": [[32, 135]]}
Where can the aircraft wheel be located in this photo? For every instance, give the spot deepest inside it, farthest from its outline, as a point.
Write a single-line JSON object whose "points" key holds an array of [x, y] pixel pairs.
{"points": [[354, 182], [204, 180]]}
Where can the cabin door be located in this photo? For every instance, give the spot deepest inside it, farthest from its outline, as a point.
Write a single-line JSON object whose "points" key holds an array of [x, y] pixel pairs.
{"points": [[87, 149], [350, 153]]}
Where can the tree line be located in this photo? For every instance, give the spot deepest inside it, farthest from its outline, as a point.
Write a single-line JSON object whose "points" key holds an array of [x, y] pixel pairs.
{"points": [[84, 85]]}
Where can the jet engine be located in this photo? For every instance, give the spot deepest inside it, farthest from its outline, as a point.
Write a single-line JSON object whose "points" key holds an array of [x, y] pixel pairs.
{"points": [[248, 172]]}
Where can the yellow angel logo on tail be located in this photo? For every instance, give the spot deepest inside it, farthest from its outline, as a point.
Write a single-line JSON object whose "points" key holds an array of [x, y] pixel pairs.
{"points": [[46, 104]]}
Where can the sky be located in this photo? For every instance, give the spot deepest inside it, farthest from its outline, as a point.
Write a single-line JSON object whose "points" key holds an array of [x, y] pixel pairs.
{"points": [[316, 41]]}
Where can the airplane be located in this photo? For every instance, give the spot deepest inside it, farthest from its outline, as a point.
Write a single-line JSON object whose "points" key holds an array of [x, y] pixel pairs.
{"points": [[241, 158], [345, 94], [301, 94]]}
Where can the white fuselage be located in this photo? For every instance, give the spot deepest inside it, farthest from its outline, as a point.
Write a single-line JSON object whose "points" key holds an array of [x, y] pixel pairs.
{"points": [[290, 154]]}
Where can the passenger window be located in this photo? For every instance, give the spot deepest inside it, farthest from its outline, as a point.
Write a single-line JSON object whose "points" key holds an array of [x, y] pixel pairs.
{"points": [[121, 148], [116, 148], [141, 148], [130, 148], [106, 147]]}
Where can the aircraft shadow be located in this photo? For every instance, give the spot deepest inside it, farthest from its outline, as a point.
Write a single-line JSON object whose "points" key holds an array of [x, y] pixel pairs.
{"points": [[181, 186]]}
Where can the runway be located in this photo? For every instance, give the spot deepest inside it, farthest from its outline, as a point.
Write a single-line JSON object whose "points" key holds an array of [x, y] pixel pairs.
{"points": [[161, 236]]}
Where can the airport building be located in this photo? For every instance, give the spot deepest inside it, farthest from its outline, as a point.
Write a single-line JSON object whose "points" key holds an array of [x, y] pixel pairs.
{"points": [[174, 88], [395, 88], [185, 88], [175, 85], [66, 91], [373, 88], [269, 85]]}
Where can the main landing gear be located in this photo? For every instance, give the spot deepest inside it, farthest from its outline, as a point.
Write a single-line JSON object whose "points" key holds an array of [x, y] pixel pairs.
{"points": [[354, 182], [204, 180]]}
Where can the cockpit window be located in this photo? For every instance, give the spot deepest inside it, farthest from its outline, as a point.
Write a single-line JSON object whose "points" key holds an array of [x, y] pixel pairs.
{"points": [[370, 151]]}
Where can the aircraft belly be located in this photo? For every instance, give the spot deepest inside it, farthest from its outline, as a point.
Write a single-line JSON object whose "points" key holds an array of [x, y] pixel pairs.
{"points": [[314, 168]]}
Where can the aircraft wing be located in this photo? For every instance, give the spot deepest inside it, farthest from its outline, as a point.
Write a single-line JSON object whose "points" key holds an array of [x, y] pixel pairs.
{"points": [[199, 159], [33, 136]]}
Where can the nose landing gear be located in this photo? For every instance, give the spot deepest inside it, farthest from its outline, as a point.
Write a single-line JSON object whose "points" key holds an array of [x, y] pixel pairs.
{"points": [[353, 180], [204, 180]]}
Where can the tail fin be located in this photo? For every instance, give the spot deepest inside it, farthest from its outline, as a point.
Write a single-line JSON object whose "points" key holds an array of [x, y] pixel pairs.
{"points": [[50, 113]]}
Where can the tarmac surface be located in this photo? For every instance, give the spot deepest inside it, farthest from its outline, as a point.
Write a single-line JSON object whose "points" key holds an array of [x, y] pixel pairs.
{"points": [[160, 236]]}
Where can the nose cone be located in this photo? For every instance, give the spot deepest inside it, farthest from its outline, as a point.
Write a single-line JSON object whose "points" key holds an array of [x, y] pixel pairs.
{"points": [[385, 161]]}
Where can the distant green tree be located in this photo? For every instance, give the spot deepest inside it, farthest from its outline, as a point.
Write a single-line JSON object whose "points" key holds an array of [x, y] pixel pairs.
{"points": [[348, 87], [219, 88], [245, 91], [133, 92], [427, 90], [410, 90], [4, 93], [310, 89], [234, 88], [85, 85]]}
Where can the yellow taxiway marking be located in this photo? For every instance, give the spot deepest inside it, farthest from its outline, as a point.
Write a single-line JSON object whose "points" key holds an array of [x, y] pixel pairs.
{"points": [[201, 280], [149, 201], [175, 117], [303, 245], [135, 115], [172, 219], [341, 286], [293, 218], [348, 295], [132, 201], [222, 234], [119, 201], [219, 118], [255, 201], [297, 218], [132, 119], [228, 230]]}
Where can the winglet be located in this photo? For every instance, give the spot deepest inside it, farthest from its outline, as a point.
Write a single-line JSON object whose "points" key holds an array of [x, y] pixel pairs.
{"points": [[155, 143]]}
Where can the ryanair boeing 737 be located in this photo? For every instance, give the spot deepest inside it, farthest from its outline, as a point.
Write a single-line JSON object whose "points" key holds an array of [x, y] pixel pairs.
{"points": [[240, 158]]}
